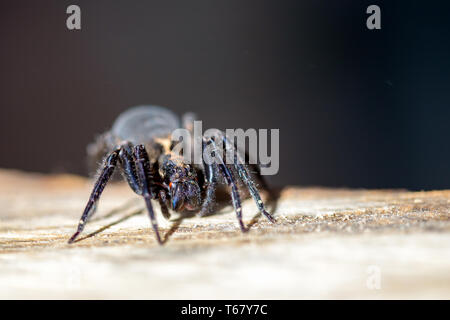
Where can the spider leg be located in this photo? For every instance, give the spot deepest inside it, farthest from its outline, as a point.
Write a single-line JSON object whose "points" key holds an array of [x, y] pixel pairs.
{"points": [[129, 168], [245, 176], [210, 169], [210, 183], [243, 173], [129, 171], [108, 169], [143, 169], [162, 202], [232, 183]]}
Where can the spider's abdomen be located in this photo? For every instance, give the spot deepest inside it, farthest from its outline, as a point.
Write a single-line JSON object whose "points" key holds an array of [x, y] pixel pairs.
{"points": [[143, 124]]}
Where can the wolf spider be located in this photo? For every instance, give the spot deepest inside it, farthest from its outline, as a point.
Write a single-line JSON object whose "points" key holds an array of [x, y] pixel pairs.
{"points": [[139, 142]]}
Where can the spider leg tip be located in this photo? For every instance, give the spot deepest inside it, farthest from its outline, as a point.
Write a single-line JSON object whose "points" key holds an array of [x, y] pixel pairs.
{"points": [[158, 239], [269, 217], [72, 239], [244, 229]]}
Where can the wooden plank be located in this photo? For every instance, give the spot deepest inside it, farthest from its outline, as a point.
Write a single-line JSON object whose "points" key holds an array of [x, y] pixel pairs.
{"points": [[327, 243]]}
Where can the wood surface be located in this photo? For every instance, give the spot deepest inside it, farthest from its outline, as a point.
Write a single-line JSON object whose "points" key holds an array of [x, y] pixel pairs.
{"points": [[327, 243]]}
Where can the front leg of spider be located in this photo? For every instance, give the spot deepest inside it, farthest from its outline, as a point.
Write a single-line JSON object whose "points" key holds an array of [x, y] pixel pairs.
{"points": [[143, 169], [210, 183], [162, 199], [128, 164], [107, 170], [230, 181], [245, 176]]}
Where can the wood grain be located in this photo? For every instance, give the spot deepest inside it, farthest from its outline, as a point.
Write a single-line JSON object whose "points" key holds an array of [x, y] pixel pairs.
{"points": [[327, 243]]}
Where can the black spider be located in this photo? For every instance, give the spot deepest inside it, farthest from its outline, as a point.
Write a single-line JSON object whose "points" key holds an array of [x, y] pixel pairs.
{"points": [[140, 142]]}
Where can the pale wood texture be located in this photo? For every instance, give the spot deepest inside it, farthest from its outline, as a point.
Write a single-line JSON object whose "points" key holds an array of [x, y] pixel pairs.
{"points": [[327, 243]]}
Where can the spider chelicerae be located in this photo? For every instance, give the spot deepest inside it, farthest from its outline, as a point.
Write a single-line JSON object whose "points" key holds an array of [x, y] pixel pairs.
{"points": [[139, 142]]}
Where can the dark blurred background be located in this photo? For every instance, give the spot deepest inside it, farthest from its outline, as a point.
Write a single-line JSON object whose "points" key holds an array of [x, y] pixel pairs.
{"points": [[355, 107]]}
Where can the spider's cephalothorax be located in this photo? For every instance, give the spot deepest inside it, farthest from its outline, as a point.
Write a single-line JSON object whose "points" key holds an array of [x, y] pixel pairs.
{"points": [[139, 142]]}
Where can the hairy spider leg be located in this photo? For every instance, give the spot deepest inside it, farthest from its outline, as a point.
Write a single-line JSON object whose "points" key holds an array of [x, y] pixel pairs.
{"points": [[162, 199], [210, 182], [262, 181], [245, 176], [108, 169], [129, 171], [129, 168], [231, 183], [143, 168]]}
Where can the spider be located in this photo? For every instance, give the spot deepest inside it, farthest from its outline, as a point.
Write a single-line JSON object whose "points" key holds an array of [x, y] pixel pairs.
{"points": [[139, 144]]}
